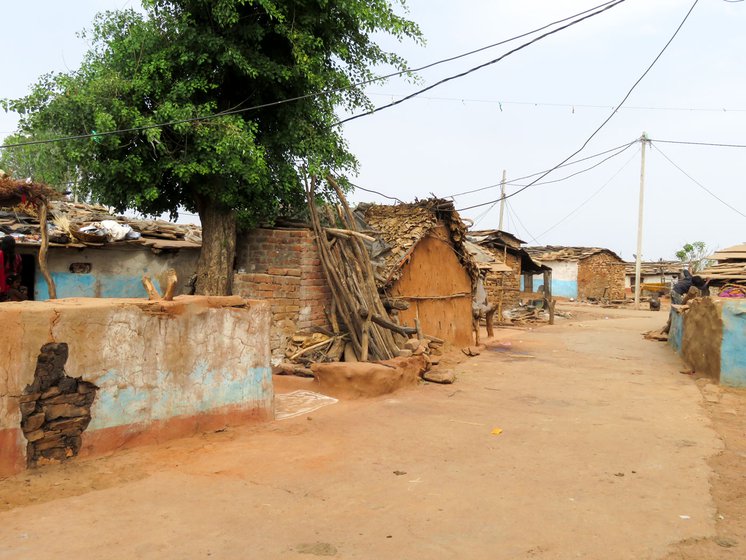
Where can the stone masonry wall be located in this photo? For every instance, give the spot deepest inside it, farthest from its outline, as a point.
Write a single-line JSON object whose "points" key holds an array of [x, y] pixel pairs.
{"points": [[282, 266], [601, 276], [510, 282]]}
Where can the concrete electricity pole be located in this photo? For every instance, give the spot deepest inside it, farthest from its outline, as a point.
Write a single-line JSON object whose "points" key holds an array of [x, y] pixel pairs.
{"points": [[638, 260], [502, 201]]}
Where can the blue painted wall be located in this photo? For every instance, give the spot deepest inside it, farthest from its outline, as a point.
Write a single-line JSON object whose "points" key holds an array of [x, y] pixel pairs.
{"points": [[733, 350], [561, 288], [201, 390], [676, 333], [91, 285]]}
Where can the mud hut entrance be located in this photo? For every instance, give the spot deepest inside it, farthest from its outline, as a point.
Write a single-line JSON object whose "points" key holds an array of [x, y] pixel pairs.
{"points": [[55, 408]]}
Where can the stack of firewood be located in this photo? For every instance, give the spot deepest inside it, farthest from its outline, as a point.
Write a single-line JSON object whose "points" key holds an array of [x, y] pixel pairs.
{"points": [[359, 316]]}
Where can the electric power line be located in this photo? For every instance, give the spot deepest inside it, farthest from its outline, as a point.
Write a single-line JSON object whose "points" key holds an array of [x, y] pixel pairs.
{"points": [[645, 73], [620, 150], [517, 219], [587, 200], [361, 83], [479, 67], [700, 185], [714, 144], [565, 105], [512, 182]]}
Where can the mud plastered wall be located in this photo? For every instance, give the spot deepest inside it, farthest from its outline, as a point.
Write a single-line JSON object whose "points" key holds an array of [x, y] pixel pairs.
{"points": [[162, 370], [112, 272], [434, 271], [710, 336]]}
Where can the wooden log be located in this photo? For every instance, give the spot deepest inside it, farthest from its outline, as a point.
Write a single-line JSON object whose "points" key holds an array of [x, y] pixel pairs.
{"points": [[404, 331], [346, 233], [311, 348], [393, 303], [286, 368], [171, 280], [153, 294], [366, 339]]}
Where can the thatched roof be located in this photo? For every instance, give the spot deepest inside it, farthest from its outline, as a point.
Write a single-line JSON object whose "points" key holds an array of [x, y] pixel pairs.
{"points": [[402, 226], [485, 259], [495, 237], [651, 268], [22, 222], [550, 253]]}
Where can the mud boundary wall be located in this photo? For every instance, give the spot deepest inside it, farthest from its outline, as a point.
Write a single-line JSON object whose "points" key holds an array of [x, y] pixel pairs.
{"points": [[162, 369]]}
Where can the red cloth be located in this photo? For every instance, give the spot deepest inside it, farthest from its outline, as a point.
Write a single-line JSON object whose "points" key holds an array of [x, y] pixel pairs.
{"points": [[7, 271]]}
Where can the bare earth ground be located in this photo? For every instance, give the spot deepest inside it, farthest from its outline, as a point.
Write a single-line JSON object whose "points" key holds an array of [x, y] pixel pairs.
{"points": [[606, 452]]}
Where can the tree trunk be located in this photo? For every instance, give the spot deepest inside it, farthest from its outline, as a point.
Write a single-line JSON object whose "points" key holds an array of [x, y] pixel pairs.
{"points": [[215, 265]]}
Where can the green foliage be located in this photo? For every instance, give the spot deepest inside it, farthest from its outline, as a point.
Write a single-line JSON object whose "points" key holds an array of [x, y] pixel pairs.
{"points": [[693, 255], [46, 163], [187, 59]]}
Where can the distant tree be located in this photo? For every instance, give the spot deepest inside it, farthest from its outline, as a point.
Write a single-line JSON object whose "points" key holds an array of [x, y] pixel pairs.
{"points": [[44, 163], [188, 59], [693, 255]]}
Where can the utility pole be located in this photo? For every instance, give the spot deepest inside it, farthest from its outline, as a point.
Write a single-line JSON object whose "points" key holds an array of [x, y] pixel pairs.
{"points": [[502, 201], [638, 261]]}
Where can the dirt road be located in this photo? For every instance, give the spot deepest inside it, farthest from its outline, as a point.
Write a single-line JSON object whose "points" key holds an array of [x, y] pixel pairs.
{"points": [[603, 454]]}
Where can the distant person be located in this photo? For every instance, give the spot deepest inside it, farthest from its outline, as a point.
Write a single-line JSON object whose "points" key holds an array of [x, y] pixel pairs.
{"points": [[681, 287], [655, 302], [16, 292], [10, 264]]}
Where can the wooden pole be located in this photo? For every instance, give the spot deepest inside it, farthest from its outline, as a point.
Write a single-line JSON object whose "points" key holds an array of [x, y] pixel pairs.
{"points": [[43, 251], [638, 257], [502, 202]]}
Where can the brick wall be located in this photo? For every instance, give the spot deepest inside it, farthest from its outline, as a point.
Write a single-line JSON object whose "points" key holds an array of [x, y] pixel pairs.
{"points": [[507, 282], [282, 266], [601, 276]]}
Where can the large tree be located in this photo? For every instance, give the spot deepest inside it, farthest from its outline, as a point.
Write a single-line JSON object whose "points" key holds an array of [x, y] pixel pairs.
{"points": [[250, 88]]}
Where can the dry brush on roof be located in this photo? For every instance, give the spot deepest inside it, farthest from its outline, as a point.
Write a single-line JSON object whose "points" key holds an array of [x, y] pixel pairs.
{"points": [[15, 192], [402, 226]]}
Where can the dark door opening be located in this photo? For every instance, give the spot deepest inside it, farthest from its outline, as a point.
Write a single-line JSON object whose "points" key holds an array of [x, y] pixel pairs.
{"points": [[28, 273]]}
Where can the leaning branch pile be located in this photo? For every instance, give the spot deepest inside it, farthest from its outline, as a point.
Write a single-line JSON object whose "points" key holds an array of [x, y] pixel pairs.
{"points": [[349, 274]]}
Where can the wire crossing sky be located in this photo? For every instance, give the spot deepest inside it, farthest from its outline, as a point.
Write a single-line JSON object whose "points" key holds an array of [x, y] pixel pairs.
{"points": [[492, 122]]}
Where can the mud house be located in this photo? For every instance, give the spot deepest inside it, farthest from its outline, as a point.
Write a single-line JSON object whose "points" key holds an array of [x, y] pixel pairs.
{"points": [[92, 264], [583, 272], [421, 258], [656, 274], [418, 256], [504, 286]]}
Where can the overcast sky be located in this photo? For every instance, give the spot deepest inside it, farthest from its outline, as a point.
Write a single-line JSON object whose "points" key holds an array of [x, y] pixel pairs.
{"points": [[526, 114]]}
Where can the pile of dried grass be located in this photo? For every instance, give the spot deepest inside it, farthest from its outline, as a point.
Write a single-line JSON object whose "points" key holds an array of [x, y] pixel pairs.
{"points": [[14, 192]]}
